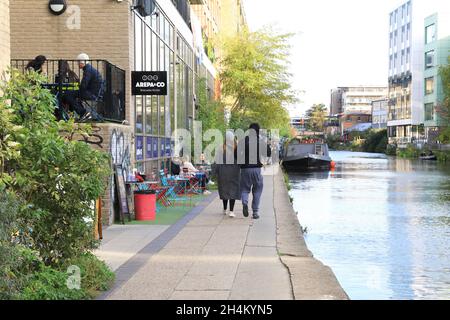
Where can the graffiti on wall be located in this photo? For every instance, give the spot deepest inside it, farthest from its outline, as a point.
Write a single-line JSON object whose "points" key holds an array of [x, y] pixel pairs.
{"points": [[94, 138]]}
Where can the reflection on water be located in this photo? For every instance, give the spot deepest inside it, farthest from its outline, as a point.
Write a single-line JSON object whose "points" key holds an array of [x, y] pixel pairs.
{"points": [[381, 224]]}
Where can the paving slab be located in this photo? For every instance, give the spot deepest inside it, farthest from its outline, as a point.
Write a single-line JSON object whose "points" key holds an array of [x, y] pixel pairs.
{"points": [[122, 242], [261, 276]]}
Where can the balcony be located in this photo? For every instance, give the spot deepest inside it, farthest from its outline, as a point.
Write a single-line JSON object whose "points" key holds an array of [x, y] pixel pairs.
{"points": [[109, 103]]}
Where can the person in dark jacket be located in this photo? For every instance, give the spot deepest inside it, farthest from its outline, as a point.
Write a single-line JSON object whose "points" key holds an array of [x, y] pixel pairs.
{"points": [[251, 177], [90, 86], [36, 64]]}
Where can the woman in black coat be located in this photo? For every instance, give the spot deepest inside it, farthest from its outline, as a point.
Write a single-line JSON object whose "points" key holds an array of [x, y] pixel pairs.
{"points": [[228, 175]]}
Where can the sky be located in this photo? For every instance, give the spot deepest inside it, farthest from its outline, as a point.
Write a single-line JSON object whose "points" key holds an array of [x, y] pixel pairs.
{"points": [[336, 42]]}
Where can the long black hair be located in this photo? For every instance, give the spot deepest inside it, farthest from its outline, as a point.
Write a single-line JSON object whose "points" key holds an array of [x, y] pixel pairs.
{"points": [[36, 63], [67, 73]]}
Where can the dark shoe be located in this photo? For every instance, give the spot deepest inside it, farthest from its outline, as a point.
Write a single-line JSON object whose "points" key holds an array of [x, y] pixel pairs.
{"points": [[255, 216], [245, 210]]}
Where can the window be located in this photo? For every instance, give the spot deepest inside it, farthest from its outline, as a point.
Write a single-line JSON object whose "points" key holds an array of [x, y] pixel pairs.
{"points": [[429, 59], [430, 34], [429, 85], [429, 112]]}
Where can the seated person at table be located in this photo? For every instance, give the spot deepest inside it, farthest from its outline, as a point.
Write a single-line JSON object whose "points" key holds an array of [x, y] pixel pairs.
{"points": [[175, 167], [67, 75], [36, 64], [89, 88], [187, 166]]}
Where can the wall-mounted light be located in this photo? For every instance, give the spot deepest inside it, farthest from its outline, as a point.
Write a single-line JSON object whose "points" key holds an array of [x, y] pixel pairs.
{"points": [[57, 7]]}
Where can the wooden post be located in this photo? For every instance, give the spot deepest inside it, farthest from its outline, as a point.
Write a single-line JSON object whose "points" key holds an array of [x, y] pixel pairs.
{"points": [[98, 234], [99, 219]]}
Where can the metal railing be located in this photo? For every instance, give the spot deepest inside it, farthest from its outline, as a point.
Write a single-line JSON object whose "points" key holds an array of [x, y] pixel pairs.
{"points": [[65, 75]]}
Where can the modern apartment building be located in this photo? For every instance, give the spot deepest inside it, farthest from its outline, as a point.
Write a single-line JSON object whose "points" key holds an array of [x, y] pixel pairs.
{"points": [[4, 36], [208, 12], [380, 110], [436, 55], [336, 101], [120, 33], [232, 17], [358, 99], [355, 99], [406, 68]]}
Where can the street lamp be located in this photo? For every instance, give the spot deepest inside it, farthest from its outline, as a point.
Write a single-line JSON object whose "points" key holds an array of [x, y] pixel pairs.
{"points": [[57, 7]]}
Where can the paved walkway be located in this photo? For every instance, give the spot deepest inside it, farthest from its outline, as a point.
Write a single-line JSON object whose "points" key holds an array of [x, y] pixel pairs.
{"points": [[211, 257]]}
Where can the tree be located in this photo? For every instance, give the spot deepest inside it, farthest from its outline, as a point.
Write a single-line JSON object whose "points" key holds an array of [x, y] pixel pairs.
{"points": [[317, 116], [255, 78], [443, 108], [209, 111], [58, 179]]}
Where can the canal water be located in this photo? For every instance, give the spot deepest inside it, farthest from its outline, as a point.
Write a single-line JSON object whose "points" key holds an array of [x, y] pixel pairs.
{"points": [[382, 224]]}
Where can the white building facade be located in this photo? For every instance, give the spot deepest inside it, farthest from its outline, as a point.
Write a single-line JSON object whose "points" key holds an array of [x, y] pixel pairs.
{"points": [[359, 98], [406, 67]]}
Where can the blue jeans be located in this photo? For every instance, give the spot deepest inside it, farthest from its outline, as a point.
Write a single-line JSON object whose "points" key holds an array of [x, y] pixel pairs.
{"points": [[252, 181]]}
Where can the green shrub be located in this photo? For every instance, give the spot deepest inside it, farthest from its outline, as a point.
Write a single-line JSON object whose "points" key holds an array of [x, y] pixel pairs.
{"points": [[391, 150], [376, 141], [50, 284], [409, 152], [59, 178], [444, 136], [95, 274]]}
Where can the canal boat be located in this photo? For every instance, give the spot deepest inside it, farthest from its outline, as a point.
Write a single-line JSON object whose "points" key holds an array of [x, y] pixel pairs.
{"points": [[430, 156], [306, 153]]}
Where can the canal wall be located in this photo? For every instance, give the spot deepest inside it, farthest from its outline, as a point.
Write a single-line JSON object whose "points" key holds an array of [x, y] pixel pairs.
{"points": [[311, 279]]}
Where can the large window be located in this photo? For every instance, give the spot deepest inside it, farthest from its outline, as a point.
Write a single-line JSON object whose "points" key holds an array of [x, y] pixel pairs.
{"points": [[429, 85], [429, 112], [430, 33], [429, 59]]}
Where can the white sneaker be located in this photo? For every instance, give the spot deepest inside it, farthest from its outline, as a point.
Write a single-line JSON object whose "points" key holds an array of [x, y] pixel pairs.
{"points": [[211, 182], [207, 192], [231, 214], [225, 212]]}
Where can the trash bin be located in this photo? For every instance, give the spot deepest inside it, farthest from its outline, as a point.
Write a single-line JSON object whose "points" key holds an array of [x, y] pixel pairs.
{"points": [[145, 205]]}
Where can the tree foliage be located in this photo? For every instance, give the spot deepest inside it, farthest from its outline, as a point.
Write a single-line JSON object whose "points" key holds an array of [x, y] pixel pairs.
{"points": [[209, 111], [255, 78], [317, 116], [443, 108]]}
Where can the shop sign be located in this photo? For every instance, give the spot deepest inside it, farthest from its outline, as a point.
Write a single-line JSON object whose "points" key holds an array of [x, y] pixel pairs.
{"points": [[149, 83]]}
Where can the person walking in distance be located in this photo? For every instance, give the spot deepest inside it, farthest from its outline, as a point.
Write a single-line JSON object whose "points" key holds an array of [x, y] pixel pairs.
{"points": [[228, 174], [251, 150]]}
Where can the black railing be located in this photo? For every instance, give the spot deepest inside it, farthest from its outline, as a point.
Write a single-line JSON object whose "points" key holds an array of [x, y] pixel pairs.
{"points": [[109, 102]]}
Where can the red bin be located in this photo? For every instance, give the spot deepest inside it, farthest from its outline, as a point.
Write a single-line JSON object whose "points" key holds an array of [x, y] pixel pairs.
{"points": [[145, 205]]}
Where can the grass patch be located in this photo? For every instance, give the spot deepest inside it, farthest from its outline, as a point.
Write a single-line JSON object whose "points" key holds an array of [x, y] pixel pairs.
{"points": [[170, 215]]}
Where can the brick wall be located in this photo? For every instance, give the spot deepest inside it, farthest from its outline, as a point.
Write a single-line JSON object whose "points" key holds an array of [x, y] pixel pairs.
{"points": [[116, 140], [100, 28], [4, 36]]}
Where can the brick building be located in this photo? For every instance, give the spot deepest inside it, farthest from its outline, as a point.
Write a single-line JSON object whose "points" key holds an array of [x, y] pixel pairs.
{"points": [[120, 33]]}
